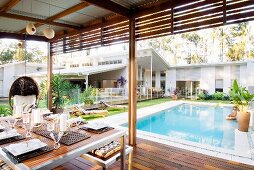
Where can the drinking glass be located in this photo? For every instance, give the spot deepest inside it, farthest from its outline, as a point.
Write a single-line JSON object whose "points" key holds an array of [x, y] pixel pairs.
{"points": [[26, 117], [55, 133]]}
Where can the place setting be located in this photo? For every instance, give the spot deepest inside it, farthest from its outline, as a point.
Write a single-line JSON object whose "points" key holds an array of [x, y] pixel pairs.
{"points": [[60, 128], [97, 127]]}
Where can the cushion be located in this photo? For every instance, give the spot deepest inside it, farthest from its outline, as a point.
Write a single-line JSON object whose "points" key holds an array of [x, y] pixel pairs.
{"points": [[107, 150], [20, 100]]}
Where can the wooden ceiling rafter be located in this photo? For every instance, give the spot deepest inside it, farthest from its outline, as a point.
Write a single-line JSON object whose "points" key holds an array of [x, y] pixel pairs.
{"points": [[9, 5], [111, 6], [62, 14], [22, 36]]}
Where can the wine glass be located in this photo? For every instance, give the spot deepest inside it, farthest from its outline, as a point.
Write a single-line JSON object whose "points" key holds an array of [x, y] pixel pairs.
{"points": [[54, 129], [26, 117]]}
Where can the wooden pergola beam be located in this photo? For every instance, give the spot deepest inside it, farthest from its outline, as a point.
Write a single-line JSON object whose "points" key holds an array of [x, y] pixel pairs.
{"points": [[22, 36], [62, 14], [9, 5], [27, 18], [111, 6]]}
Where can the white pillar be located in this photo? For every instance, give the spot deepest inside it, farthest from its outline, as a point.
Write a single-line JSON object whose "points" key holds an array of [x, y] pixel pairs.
{"points": [[140, 73], [86, 78], [158, 80]]}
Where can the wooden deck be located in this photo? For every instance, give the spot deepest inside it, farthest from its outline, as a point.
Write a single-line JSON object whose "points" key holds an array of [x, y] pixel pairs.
{"points": [[150, 155]]}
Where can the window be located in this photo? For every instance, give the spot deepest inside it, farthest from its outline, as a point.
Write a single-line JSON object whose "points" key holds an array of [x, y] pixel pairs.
{"points": [[219, 85], [109, 62], [74, 65], [163, 74]]}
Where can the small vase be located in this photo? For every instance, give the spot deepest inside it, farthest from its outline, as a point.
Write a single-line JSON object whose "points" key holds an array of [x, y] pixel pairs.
{"points": [[243, 121]]}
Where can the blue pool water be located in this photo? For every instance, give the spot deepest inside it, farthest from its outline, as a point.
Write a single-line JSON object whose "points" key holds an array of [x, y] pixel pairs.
{"points": [[196, 123]]}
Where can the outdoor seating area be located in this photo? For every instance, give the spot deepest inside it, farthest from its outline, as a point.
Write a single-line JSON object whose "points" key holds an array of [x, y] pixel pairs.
{"points": [[68, 108]]}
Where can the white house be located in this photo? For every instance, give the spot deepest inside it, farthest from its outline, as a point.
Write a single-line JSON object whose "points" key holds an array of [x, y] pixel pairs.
{"points": [[102, 71], [153, 72], [9, 72], [210, 77]]}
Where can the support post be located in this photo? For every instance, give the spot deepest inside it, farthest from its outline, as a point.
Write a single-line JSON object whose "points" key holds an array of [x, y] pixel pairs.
{"points": [[49, 76], [132, 101], [151, 75]]}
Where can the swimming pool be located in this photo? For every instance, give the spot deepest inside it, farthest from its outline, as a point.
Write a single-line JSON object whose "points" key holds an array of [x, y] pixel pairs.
{"points": [[195, 123]]}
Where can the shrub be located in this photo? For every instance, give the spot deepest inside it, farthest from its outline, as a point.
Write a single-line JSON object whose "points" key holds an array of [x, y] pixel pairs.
{"points": [[5, 110], [204, 95], [218, 96], [88, 95]]}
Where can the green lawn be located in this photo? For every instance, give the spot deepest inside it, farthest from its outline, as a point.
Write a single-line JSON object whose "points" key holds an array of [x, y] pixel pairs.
{"points": [[113, 111], [212, 101]]}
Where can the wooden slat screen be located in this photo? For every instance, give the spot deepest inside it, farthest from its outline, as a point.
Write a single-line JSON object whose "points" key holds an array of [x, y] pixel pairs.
{"points": [[155, 24], [198, 15], [160, 21], [240, 11]]}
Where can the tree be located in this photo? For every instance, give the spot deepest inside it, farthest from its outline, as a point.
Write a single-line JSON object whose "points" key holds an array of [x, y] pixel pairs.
{"points": [[192, 39], [6, 56], [236, 41]]}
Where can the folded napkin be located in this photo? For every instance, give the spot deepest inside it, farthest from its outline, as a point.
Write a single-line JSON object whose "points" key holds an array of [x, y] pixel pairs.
{"points": [[96, 126], [72, 122], [8, 134], [24, 147]]}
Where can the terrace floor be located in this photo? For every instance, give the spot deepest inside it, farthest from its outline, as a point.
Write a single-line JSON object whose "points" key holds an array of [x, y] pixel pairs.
{"points": [[150, 155]]}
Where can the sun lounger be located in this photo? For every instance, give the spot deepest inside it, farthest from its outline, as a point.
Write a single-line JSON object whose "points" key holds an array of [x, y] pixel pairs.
{"points": [[80, 110], [113, 106]]}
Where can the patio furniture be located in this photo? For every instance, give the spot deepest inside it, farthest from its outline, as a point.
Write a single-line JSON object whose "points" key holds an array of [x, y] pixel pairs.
{"points": [[23, 91], [107, 162], [80, 110], [113, 106], [66, 153]]}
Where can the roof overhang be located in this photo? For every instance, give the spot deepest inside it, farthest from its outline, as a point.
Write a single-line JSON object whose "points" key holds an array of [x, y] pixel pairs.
{"points": [[82, 72]]}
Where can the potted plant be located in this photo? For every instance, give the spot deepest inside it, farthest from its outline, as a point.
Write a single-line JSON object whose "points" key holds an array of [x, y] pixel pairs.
{"points": [[175, 94], [121, 82], [60, 92], [241, 97]]}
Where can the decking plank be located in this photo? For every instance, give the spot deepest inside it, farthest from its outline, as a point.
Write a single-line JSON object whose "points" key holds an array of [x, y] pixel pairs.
{"points": [[148, 155]]}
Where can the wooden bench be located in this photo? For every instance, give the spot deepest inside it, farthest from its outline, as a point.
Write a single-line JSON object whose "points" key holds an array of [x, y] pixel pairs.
{"points": [[106, 163]]}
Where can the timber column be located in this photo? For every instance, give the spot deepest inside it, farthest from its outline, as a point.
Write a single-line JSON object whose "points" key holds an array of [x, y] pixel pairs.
{"points": [[132, 95], [49, 77]]}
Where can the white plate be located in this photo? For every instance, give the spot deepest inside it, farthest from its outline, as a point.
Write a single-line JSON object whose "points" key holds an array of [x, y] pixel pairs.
{"points": [[95, 126], [24, 147], [8, 134]]}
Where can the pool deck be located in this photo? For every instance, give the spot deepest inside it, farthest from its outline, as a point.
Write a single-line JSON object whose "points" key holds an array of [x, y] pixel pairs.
{"points": [[244, 144], [149, 155]]}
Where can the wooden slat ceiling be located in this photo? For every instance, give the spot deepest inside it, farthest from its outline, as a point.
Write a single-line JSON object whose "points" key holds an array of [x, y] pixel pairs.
{"points": [[154, 18]]}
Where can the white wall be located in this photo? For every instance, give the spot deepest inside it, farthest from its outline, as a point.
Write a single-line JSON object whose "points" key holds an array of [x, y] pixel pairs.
{"points": [[207, 80], [250, 76], [110, 75], [9, 72], [147, 78], [243, 75], [158, 80], [170, 80], [226, 79]]}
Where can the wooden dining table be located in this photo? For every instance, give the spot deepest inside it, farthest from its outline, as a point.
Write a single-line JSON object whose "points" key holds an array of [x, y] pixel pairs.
{"points": [[65, 153]]}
